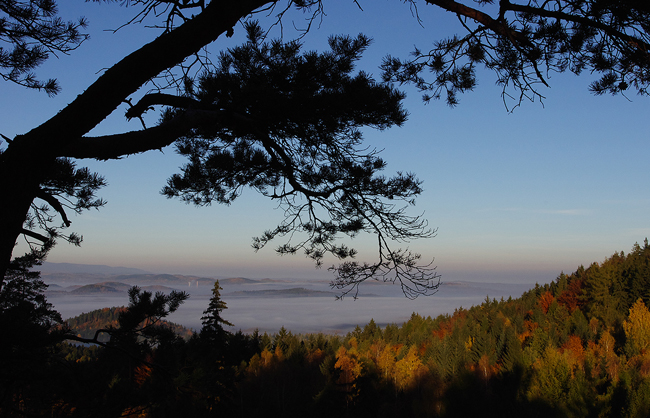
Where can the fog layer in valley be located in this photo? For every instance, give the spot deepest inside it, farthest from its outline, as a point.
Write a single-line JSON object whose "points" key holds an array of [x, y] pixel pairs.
{"points": [[298, 305]]}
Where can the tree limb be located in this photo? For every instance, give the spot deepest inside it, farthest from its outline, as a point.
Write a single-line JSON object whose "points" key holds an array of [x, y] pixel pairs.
{"points": [[119, 145], [128, 75], [632, 40], [42, 194], [35, 235], [152, 99], [496, 26]]}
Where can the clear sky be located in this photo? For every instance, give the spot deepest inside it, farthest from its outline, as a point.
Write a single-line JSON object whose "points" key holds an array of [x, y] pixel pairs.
{"points": [[516, 197]]}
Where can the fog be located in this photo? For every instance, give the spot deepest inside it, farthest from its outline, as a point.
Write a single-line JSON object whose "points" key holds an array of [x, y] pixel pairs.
{"points": [[381, 302]]}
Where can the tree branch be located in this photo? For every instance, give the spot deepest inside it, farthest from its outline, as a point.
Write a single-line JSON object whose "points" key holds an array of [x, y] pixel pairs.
{"points": [[94, 340], [119, 145], [35, 235], [42, 194], [632, 40], [162, 99], [128, 75], [496, 26]]}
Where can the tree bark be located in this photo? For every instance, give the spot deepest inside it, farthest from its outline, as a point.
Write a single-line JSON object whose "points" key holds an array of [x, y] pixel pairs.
{"points": [[28, 158]]}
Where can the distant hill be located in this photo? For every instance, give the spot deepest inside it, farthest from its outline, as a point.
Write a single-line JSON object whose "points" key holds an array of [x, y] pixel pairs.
{"points": [[167, 279], [111, 288], [237, 280], [67, 274], [93, 289], [176, 280], [86, 324], [296, 292]]}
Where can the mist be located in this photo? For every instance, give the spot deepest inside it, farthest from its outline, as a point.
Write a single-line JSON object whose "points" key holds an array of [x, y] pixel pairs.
{"points": [[384, 303]]}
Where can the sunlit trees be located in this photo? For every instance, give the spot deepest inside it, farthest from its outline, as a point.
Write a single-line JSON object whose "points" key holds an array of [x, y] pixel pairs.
{"points": [[637, 329]]}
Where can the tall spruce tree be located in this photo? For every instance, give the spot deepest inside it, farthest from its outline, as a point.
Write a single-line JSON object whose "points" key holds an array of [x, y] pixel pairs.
{"points": [[212, 321]]}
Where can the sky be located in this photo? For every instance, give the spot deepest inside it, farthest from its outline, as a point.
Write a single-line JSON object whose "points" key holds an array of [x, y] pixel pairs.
{"points": [[515, 196]]}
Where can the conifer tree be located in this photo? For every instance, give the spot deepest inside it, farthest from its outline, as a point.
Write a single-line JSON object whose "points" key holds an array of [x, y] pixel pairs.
{"points": [[212, 321]]}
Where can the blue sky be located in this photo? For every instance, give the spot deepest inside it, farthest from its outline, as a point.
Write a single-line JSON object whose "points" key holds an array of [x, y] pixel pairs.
{"points": [[516, 197]]}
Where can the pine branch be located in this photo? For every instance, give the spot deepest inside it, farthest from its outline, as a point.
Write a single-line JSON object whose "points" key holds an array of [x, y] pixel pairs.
{"points": [[119, 145]]}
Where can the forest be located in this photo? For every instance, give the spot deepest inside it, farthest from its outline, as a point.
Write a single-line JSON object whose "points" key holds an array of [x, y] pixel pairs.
{"points": [[575, 347]]}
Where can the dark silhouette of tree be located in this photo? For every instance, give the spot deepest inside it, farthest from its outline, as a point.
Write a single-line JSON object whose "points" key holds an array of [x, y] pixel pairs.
{"points": [[211, 320], [30, 328], [287, 124], [315, 157], [524, 41], [140, 327], [29, 32]]}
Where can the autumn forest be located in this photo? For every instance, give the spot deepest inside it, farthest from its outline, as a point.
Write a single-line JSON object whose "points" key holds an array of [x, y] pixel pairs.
{"points": [[576, 347]]}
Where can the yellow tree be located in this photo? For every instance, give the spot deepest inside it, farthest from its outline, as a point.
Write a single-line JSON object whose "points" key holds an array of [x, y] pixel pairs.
{"points": [[386, 361], [409, 369], [350, 369], [637, 329], [608, 357]]}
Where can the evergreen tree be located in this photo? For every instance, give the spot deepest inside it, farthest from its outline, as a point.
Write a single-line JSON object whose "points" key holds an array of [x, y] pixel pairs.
{"points": [[31, 329], [636, 274], [212, 321]]}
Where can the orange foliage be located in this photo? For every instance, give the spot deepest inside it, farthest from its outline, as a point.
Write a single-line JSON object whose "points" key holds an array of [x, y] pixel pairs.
{"points": [[346, 362], [315, 357], [575, 348], [386, 361], [605, 350], [143, 372], [484, 369], [570, 298], [637, 327], [529, 329], [644, 365], [409, 370], [446, 327], [545, 301], [267, 358]]}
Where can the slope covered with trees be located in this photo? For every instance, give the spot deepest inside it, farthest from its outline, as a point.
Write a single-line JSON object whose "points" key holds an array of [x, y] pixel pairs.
{"points": [[86, 324], [576, 347]]}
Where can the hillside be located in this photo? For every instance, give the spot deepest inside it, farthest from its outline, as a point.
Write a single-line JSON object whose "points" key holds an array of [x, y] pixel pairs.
{"points": [[577, 347], [296, 292], [86, 324]]}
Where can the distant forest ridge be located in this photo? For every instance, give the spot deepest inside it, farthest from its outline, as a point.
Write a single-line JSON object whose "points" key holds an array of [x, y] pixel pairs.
{"points": [[86, 324], [175, 280]]}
